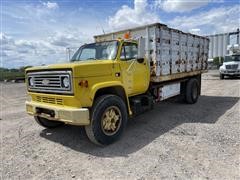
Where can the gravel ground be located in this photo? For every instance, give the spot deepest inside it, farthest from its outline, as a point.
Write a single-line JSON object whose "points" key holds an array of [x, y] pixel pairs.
{"points": [[173, 141]]}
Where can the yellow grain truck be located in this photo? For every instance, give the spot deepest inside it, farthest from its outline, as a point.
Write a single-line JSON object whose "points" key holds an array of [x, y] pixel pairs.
{"points": [[120, 75]]}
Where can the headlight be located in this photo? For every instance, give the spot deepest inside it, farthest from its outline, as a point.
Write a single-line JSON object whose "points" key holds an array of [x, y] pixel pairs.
{"points": [[30, 81], [66, 82]]}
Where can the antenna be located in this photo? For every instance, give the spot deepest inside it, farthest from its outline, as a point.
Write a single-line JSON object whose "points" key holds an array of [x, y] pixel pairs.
{"points": [[102, 30], [100, 24]]}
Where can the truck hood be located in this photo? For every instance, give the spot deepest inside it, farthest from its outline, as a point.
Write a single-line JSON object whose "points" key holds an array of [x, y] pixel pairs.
{"points": [[223, 67], [231, 62], [80, 68]]}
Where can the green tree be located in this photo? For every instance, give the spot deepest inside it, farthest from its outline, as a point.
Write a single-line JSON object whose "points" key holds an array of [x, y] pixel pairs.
{"points": [[218, 61]]}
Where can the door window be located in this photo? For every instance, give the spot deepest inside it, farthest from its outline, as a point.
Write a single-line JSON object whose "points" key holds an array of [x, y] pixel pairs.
{"points": [[129, 51]]}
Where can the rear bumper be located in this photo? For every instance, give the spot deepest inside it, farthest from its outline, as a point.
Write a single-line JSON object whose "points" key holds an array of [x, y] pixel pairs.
{"points": [[74, 116]]}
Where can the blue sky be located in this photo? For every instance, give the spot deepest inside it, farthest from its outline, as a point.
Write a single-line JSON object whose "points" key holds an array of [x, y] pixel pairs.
{"points": [[35, 32]]}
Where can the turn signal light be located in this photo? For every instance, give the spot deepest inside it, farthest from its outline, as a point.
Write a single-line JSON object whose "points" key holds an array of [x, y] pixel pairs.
{"points": [[126, 36], [83, 83]]}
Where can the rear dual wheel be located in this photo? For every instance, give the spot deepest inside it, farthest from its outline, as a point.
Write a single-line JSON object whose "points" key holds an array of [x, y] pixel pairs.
{"points": [[192, 91]]}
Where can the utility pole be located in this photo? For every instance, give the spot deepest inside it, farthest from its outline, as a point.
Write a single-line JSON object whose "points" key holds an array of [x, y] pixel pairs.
{"points": [[68, 51], [238, 34]]}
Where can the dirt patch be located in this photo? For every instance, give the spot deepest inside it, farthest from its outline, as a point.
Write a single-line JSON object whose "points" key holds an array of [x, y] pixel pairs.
{"points": [[173, 141]]}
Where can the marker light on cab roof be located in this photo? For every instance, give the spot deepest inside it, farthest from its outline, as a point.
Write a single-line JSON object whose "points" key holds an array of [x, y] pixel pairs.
{"points": [[126, 36]]}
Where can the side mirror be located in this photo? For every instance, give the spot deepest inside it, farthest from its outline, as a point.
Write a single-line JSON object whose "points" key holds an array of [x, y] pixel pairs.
{"points": [[140, 60], [141, 49]]}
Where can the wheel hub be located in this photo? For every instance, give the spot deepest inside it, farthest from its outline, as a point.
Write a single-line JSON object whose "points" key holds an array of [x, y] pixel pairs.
{"points": [[111, 120]]}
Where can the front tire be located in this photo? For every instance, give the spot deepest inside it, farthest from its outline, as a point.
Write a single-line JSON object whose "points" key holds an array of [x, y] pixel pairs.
{"points": [[221, 76], [108, 120], [192, 91], [47, 123]]}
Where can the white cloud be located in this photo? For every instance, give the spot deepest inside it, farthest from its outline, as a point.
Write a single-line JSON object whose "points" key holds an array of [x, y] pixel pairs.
{"points": [[127, 17], [24, 52], [215, 20], [180, 5], [50, 5], [49, 50], [44, 35], [45, 32], [68, 38]]}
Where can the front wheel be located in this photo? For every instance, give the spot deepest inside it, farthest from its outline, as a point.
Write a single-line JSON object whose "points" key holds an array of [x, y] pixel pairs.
{"points": [[47, 123], [221, 76], [108, 120]]}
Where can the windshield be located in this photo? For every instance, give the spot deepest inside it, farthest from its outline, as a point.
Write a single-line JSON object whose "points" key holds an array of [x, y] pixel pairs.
{"points": [[232, 58], [96, 51]]}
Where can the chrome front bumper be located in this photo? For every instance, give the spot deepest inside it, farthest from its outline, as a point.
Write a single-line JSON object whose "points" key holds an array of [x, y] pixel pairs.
{"points": [[74, 116], [230, 72]]}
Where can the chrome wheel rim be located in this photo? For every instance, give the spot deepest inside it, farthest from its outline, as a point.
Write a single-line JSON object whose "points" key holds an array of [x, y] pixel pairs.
{"points": [[111, 120]]}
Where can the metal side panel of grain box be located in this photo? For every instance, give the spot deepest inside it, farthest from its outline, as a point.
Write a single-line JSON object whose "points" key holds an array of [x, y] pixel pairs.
{"points": [[171, 53]]}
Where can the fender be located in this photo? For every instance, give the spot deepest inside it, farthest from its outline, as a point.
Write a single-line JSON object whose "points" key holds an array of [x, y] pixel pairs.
{"points": [[109, 84]]}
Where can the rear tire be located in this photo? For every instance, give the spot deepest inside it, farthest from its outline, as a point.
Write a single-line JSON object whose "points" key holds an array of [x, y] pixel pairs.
{"points": [[108, 120], [47, 123], [221, 76], [192, 91]]}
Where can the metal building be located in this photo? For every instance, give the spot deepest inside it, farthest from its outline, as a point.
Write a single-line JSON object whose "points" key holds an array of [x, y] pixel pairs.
{"points": [[219, 42]]}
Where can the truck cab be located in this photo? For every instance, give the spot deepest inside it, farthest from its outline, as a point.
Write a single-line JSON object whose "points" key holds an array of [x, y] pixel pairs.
{"points": [[127, 66], [231, 63]]}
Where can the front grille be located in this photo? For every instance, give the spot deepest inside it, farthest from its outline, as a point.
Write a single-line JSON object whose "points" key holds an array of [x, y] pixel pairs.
{"points": [[49, 81], [49, 100], [232, 66]]}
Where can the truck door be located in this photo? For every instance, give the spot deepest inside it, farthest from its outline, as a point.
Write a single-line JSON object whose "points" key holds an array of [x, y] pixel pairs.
{"points": [[135, 75]]}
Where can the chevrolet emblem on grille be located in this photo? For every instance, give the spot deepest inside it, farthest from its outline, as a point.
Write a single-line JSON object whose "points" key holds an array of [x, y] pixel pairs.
{"points": [[45, 82]]}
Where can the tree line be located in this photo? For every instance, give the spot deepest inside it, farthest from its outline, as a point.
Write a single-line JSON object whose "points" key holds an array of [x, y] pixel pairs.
{"points": [[12, 73]]}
